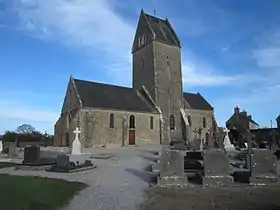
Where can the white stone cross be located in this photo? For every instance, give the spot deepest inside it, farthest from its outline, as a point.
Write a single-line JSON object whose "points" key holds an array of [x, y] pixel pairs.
{"points": [[76, 146], [226, 130], [77, 132]]}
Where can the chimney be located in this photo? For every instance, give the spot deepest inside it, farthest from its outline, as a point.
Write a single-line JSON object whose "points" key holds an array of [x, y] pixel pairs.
{"points": [[250, 117], [236, 110]]}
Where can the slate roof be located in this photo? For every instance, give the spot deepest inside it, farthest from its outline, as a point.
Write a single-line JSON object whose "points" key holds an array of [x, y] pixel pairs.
{"points": [[162, 29], [196, 101], [99, 95]]}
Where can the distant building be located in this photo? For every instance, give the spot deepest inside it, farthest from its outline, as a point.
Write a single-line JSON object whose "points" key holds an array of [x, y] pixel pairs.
{"points": [[244, 119], [278, 121]]}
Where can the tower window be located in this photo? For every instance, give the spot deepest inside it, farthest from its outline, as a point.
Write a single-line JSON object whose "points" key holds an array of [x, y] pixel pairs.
{"points": [[190, 120], [142, 63], [167, 61], [111, 120], [204, 122], [131, 121], [151, 123], [142, 40], [172, 122]]}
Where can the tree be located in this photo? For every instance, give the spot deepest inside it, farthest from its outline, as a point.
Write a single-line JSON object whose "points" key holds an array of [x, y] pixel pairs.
{"points": [[25, 129]]}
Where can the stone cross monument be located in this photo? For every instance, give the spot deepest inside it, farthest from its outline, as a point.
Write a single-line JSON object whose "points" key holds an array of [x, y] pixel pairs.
{"points": [[227, 143], [76, 146]]}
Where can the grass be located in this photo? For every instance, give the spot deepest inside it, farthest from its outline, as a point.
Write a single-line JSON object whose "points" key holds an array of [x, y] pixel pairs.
{"points": [[34, 193], [221, 198], [7, 164]]}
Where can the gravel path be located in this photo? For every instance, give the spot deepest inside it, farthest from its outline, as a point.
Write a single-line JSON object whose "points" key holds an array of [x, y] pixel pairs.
{"points": [[116, 183]]}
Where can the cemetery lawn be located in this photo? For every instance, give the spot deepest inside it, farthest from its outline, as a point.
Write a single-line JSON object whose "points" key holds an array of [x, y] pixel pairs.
{"points": [[6, 164], [22, 192], [213, 198]]}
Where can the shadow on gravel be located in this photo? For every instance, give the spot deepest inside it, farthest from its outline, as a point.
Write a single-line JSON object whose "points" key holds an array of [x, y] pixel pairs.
{"points": [[145, 175], [153, 159]]}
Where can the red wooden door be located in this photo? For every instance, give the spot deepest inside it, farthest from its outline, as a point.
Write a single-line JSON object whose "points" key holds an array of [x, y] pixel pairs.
{"points": [[131, 137]]}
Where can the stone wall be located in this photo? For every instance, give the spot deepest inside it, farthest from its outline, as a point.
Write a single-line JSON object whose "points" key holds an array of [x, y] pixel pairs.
{"points": [[95, 126], [197, 122], [168, 83]]}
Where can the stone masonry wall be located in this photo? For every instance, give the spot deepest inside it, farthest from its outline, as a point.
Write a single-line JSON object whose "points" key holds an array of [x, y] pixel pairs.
{"points": [[168, 83], [95, 125], [197, 122]]}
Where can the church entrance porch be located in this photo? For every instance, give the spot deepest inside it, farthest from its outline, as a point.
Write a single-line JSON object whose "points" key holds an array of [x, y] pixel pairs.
{"points": [[131, 137]]}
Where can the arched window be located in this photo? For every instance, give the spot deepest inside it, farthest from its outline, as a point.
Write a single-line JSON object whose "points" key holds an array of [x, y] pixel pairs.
{"points": [[142, 63], [142, 40], [204, 122], [172, 122], [111, 120], [151, 123], [190, 120], [131, 121], [167, 61]]}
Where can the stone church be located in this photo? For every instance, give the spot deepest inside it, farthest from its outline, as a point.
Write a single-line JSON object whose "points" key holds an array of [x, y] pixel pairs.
{"points": [[154, 111]]}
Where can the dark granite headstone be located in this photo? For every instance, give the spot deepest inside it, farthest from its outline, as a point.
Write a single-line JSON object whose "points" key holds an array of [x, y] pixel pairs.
{"points": [[263, 162], [216, 168], [62, 160], [263, 167], [31, 154]]}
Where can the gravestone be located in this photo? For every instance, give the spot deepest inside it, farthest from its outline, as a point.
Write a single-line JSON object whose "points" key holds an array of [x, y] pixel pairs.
{"points": [[76, 146], [1, 146], [216, 168], [62, 160], [31, 154], [172, 169], [277, 154], [12, 150], [263, 167], [34, 157]]}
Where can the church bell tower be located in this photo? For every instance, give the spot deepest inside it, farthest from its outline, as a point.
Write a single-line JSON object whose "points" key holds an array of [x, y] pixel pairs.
{"points": [[157, 66]]}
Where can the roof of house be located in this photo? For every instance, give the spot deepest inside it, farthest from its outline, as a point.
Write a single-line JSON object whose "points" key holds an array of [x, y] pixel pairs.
{"points": [[162, 30], [242, 117], [196, 101], [99, 95]]}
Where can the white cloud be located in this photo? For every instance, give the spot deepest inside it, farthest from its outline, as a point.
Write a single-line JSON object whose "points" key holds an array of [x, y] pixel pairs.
{"points": [[90, 24], [267, 52], [198, 73], [268, 57]]}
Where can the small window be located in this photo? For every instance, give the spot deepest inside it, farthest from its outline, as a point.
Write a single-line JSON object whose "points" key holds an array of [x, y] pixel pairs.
{"points": [[151, 123], [142, 63], [204, 122], [172, 122], [190, 120], [167, 61], [132, 121], [142, 40], [111, 120]]}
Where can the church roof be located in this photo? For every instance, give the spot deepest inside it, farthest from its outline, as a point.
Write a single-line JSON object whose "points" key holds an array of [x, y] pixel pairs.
{"points": [[196, 101], [162, 30], [99, 95]]}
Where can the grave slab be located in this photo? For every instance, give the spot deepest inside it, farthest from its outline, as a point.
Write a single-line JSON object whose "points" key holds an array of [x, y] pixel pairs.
{"points": [[263, 167], [172, 169], [216, 168]]}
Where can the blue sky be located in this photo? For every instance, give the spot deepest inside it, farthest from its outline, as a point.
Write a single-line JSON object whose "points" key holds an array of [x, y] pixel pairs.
{"points": [[230, 53]]}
